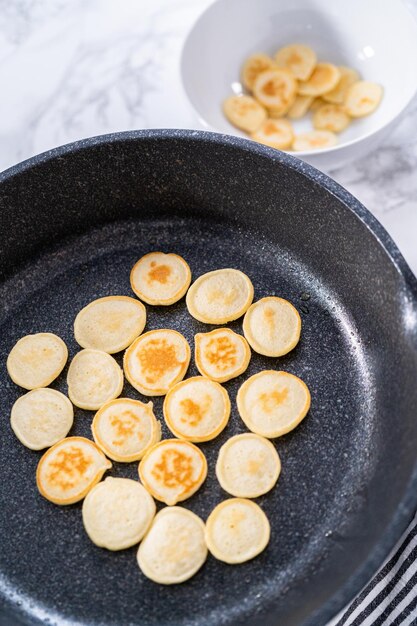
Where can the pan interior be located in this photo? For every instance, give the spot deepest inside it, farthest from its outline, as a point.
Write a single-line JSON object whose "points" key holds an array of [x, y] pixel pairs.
{"points": [[47, 561]]}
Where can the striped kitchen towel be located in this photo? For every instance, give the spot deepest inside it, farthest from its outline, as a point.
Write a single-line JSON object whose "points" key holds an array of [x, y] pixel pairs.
{"points": [[390, 598]]}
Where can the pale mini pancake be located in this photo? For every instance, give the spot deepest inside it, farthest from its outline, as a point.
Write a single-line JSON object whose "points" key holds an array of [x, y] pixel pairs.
{"points": [[156, 361], [300, 107], [247, 466], [36, 360], [332, 117], [124, 429], [68, 470], [272, 326], [197, 409], [173, 470], [348, 77], [94, 378], [110, 324], [160, 279], [220, 296], [314, 140], [298, 59], [41, 418], [237, 530], [221, 354], [253, 66], [272, 403], [362, 98], [117, 513], [174, 548]]}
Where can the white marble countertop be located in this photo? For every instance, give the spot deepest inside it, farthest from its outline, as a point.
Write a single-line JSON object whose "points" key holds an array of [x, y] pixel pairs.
{"points": [[74, 68]]}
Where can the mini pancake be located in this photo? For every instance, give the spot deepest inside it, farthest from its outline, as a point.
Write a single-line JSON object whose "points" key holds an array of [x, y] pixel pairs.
{"points": [[362, 98], [244, 112], [173, 470], [197, 409], [156, 361], [276, 133], [220, 296], [332, 117], [68, 470], [247, 466], [314, 140], [124, 429], [36, 360], [117, 513], [221, 354], [237, 530], [160, 279], [272, 403], [110, 324], [275, 89], [253, 66], [298, 59], [323, 79], [272, 326], [93, 379], [348, 76], [174, 548], [41, 418], [300, 107]]}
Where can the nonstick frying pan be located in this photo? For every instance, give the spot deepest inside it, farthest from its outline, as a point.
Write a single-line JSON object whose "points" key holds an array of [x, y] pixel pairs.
{"points": [[73, 222]]}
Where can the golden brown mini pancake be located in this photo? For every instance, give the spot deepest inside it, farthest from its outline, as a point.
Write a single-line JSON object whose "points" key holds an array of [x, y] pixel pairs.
{"points": [[125, 429], [36, 360], [68, 470], [173, 470], [174, 548], [272, 403], [197, 409], [275, 89], [221, 354], [160, 279], [220, 296], [110, 324], [276, 133], [237, 530], [156, 361], [244, 112], [324, 78], [272, 326], [41, 418], [94, 378]]}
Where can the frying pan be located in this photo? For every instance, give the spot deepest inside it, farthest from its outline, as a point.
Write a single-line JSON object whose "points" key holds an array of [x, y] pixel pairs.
{"points": [[73, 222]]}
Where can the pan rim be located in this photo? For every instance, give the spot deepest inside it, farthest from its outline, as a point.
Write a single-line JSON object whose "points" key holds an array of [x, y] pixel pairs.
{"points": [[408, 504]]}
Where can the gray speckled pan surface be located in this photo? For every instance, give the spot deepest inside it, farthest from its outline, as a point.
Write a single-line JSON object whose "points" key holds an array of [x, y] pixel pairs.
{"points": [[73, 222]]}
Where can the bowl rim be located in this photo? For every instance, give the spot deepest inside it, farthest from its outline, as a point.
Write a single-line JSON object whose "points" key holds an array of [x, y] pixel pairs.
{"points": [[408, 504], [301, 153]]}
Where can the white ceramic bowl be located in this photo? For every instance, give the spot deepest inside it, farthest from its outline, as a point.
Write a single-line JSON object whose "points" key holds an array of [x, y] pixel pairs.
{"points": [[376, 37]]}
